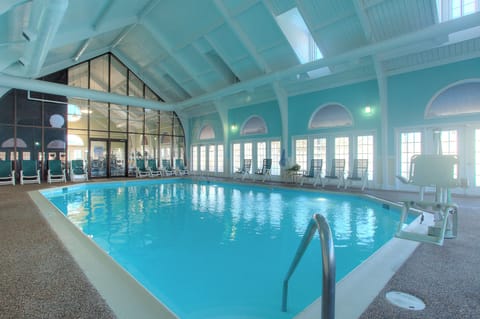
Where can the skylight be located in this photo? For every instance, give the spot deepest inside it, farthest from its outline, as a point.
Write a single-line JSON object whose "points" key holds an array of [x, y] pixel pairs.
{"points": [[453, 9], [297, 33]]}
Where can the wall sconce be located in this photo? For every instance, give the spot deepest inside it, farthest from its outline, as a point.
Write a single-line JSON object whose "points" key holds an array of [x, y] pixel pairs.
{"points": [[368, 110], [234, 127]]}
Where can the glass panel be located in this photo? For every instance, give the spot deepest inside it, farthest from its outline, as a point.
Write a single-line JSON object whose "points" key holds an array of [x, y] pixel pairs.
{"points": [[177, 126], [117, 158], [342, 150], [102, 134], [78, 76], [247, 151], [135, 85], [449, 143], [261, 153], [99, 116], [77, 115], [236, 163], [118, 135], [365, 151], [77, 146], [7, 141], [195, 158], [135, 152], [28, 112], [254, 125], [320, 151], [206, 133], [203, 157], [118, 118], [7, 103], [301, 153], [150, 146], [99, 73], [151, 121], [275, 153], [179, 148], [220, 158], [331, 115], [211, 158], [150, 95], [410, 144], [166, 123], [135, 120], [98, 155], [118, 77], [55, 115], [165, 146]]}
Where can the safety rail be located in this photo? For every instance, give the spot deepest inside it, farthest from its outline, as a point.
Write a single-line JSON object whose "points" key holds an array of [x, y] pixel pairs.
{"points": [[328, 261]]}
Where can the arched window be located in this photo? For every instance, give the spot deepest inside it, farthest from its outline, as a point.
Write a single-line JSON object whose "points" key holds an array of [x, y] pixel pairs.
{"points": [[254, 125], [206, 133], [457, 99], [330, 115]]}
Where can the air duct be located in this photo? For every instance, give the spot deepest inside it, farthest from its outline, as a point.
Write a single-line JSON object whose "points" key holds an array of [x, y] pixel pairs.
{"points": [[15, 82]]}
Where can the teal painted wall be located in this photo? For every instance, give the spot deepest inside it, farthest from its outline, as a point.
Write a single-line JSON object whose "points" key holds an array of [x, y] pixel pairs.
{"points": [[410, 93], [353, 97], [198, 123], [270, 113]]}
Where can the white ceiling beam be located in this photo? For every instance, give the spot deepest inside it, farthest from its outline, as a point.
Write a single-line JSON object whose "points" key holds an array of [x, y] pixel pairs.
{"points": [[242, 37], [184, 65], [427, 33]]}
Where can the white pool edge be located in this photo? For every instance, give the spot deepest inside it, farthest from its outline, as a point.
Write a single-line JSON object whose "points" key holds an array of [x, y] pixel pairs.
{"points": [[124, 294], [357, 290]]}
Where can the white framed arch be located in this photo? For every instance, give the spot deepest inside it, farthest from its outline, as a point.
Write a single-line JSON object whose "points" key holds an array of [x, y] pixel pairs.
{"points": [[254, 125], [458, 98], [330, 114], [206, 133]]}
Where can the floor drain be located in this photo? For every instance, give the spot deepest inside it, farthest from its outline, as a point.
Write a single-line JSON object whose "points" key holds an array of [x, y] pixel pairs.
{"points": [[405, 301]]}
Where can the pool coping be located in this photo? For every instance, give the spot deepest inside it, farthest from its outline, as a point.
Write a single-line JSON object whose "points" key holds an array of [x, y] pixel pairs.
{"points": [[123, 293], [127, 297]]}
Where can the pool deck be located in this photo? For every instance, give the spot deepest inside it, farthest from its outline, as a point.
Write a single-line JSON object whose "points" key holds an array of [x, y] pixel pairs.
{"points": [[41, 279]]}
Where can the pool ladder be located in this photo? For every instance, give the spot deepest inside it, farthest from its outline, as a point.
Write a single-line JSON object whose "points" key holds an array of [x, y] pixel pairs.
{"points": [[319, 223]]}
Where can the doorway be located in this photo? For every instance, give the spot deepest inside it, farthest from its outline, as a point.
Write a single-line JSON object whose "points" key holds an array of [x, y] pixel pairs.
{"points": [[107, 158]]}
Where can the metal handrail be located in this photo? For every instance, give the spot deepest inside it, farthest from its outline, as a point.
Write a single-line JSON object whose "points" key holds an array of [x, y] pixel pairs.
{"points": [[328, 261]]}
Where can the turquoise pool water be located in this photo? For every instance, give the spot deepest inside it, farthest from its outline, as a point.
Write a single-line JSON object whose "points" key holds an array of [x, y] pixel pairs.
{"points": [[220, 250]]}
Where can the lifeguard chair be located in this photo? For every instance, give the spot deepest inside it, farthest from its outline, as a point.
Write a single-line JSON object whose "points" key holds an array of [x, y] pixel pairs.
{"points": [[437, 171]]}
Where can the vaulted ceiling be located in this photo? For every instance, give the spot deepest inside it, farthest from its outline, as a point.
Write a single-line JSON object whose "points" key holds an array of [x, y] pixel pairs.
{"points": [[198, 55]]}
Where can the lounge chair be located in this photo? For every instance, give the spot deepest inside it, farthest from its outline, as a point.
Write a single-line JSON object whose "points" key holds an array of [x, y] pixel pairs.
{"points": [[245, 169], [167, 167], [337, 172], [153, 170], [140, 170], [359, 173], [7, 175], [55, 172], [314, 173], [265, 170], [180, 168], [29, 173], [77, 171]]}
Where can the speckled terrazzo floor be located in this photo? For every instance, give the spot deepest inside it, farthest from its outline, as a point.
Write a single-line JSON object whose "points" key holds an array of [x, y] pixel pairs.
{"points": [[39, 279], [446, 278]]}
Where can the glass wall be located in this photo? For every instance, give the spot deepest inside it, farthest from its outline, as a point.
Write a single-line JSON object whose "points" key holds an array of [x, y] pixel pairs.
{"points": [[148, 134], [37, 126]]}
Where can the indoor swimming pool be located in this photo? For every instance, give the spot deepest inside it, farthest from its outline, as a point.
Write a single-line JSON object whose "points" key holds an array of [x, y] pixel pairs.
{"points": [[221, 250]]}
